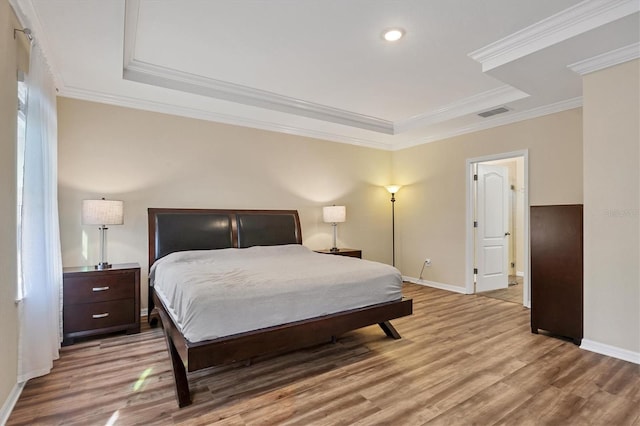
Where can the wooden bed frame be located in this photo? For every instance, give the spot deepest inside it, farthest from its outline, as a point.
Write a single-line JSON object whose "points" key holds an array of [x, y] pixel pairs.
{"points": [[173, 230]]}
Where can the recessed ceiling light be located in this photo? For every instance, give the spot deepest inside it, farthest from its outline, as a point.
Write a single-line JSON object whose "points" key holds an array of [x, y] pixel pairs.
{"points": [[393, 34]]}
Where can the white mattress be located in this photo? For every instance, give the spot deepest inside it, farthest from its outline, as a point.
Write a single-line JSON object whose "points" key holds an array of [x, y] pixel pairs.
{"points": [[216, 293]]}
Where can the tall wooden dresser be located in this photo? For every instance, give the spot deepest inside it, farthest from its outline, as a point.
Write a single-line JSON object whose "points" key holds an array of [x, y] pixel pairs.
{"points": [[556, 270]]}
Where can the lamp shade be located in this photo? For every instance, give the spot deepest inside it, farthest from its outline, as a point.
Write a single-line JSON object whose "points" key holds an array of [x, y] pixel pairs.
{"points": [[393, 188], [102, 212], [334, 214]]}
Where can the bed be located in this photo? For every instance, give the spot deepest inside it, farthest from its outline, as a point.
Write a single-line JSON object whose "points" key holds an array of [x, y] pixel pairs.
{"points": [[183, 239]]}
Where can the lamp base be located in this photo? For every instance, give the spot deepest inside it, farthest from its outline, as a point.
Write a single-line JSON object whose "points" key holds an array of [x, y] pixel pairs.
{"points": [[334, 249], [103, 265]]}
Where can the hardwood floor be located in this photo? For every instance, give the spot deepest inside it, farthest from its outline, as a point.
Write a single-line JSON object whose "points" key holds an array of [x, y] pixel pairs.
{"points": [[463, 359], [513, 293]]}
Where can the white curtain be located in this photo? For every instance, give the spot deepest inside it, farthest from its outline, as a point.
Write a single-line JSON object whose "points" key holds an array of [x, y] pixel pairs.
{"points": [[40, 308]]}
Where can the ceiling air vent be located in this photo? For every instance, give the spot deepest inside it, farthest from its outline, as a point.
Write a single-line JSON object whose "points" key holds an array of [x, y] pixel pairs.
{"points": [[493, 112]]}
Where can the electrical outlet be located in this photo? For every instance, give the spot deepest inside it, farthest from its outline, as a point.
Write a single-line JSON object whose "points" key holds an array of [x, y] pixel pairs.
{"points": [[427, 262]]}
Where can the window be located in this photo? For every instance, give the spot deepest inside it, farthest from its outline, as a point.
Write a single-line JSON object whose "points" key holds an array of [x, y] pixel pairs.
{"points": [[21, 133]]}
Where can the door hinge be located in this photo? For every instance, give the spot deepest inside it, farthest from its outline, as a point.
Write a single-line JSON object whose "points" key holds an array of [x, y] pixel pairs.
{"points": [[475, 270], [475, 177], [475, 223]]}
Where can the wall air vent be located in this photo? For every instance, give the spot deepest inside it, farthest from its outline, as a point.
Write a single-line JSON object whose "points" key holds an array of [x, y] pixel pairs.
{"points": [[493, 112]]}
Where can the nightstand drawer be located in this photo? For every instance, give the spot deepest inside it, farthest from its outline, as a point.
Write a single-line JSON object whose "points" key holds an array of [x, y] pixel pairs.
{"points": [[99, 288], [88, 316]]}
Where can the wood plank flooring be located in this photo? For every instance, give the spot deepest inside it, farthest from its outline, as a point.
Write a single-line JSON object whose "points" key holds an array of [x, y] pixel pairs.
{"points": [[463, 360], [513, 293]]}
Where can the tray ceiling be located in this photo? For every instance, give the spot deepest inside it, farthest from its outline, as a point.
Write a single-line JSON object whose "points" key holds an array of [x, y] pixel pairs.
{"points": [[320, 68]]}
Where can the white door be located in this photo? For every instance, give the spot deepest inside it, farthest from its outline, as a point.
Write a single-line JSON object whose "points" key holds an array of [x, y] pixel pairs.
{"points": [[492, 242]]}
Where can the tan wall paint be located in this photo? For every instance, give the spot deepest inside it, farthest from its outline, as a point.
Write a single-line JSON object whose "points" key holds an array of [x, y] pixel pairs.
{"points": [[154, 160], [431, 206], [8, 96], [611, 206]]}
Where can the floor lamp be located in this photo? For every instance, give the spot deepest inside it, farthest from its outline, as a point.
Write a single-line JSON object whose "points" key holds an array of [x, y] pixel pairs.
{"points": [[392, 190]]}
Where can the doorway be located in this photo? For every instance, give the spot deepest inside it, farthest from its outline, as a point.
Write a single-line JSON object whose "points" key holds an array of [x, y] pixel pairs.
{"points": [[497, 243]]}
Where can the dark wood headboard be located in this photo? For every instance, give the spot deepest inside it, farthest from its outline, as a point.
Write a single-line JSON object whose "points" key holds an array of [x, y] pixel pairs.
{"points": [[172, 230]]}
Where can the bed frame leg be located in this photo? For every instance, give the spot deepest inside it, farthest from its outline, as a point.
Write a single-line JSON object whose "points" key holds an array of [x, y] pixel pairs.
{"points": [[179, 372], [389, 330], [153, 318]]}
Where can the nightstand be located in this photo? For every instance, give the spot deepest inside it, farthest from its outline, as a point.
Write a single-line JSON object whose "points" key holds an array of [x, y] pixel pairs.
{"points": [[343, 252], [100, 301]]}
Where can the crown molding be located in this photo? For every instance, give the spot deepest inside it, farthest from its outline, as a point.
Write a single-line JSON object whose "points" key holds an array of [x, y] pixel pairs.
{"points": [[479, 102], [128, 102], [508, 118], [157, 75], [131, 14], [582, 17], [606, 60], [147, 105], [22, 19]]}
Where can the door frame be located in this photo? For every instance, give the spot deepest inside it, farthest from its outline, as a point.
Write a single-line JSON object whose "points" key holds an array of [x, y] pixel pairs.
{"points": [[470, 243]]}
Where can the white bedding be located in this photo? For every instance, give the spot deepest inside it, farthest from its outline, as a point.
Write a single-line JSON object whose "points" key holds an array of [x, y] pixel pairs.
{"points": [[216, 293]]}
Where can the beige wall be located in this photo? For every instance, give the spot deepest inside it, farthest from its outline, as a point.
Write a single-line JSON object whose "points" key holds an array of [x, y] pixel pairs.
{"points": [[431, 206], [8, 98], [611, 206], [153, 160]]}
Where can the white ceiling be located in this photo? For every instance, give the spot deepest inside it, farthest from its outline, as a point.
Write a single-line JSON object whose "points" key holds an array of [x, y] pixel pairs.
{"points": [[320, 67]]}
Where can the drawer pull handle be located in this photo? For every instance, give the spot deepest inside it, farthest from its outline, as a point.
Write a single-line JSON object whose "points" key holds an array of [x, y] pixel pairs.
{"points": [[100, 288], [96, 316]]}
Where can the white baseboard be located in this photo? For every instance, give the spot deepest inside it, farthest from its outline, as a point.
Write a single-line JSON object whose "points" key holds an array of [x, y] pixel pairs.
{"points": [[612, 351], [143, 312], [519, 274], [8, 405], [441, 286]]}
